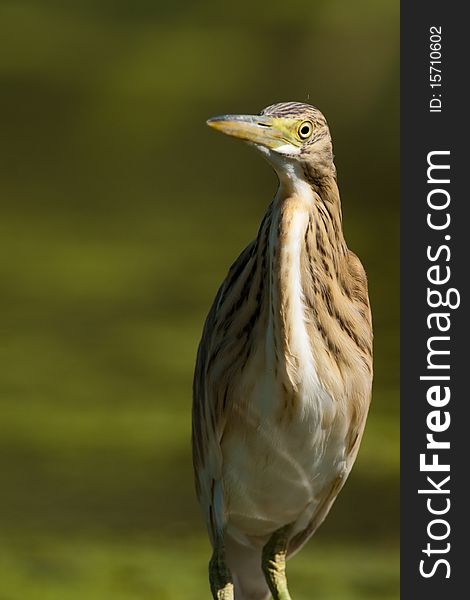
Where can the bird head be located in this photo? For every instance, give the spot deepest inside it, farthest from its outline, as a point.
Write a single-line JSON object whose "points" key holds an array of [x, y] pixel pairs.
{"points": [[288, 134]]}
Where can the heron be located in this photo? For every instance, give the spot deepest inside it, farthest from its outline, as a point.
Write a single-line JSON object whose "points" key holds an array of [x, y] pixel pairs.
{"points": [[283, 374]]}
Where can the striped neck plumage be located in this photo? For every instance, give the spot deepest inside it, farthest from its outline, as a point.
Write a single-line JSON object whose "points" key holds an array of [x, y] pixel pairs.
{"points": [[306, 245], [317, 192]]}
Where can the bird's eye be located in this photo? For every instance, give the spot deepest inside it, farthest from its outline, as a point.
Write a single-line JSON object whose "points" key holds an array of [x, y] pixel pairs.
{"points": [[305, 130]]}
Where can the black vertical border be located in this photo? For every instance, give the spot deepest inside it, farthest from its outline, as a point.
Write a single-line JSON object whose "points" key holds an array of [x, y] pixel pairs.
{"points": [[422, 132]]}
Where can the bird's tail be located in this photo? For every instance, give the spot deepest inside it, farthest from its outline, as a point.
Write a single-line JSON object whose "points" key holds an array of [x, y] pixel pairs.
{"points": [[244, 563]]}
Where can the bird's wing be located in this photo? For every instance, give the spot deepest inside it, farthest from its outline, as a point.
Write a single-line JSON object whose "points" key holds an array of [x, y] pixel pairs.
{"points": [[211, 393], [329, 495], [358, 293], [296, 543]]}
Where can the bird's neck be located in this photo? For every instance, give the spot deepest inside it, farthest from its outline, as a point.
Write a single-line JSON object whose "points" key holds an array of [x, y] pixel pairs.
{"points": [[317, 198], [305, 228]]}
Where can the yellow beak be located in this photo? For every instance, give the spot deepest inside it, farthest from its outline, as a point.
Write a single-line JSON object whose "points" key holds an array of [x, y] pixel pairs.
{"points": [[257, 129]]}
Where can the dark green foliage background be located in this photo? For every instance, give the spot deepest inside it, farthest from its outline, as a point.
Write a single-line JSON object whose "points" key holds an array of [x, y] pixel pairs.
{"points": [[121, 213]]}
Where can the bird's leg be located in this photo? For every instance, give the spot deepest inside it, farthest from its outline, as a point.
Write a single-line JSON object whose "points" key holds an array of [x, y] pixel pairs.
{"points": [[274, 563], [219, 574]]}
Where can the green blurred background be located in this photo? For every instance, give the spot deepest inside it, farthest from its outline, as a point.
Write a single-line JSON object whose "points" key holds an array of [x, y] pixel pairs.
{"points": [[121, 212]]}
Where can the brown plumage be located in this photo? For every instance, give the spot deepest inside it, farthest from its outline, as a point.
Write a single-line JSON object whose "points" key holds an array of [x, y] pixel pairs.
{"points": [[284, 368]]}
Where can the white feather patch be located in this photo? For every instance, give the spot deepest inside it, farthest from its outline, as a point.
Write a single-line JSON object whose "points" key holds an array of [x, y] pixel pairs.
{"points": [[287, 149]]}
